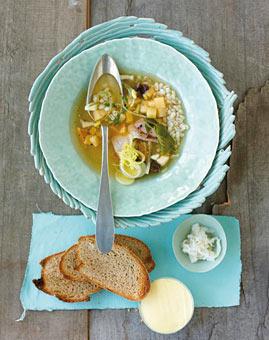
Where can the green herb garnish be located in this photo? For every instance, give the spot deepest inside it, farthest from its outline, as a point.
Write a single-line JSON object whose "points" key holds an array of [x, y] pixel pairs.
{"points": [[116, 120], [166, 141]]}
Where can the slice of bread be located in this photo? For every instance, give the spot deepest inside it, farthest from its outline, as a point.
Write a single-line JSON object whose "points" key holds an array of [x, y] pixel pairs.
{"points": [[139, 248], [69, 261], [119, 271], [54, 283]]}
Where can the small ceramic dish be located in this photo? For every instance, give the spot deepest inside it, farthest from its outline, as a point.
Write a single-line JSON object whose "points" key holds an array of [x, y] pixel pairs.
{"points": [[181, 233], [168, 307]]}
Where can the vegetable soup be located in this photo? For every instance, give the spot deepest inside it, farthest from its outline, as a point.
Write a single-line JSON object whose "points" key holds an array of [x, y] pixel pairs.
{"points": [[146, 126]]}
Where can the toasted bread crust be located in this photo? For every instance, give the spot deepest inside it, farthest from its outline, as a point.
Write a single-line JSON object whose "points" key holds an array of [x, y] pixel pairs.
{"points": [[137, 248], [41, 283], [148, 261], [68, 274], [143, 280], [65, 273]]}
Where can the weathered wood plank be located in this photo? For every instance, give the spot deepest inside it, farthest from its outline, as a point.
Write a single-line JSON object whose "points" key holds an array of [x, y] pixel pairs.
{"points": [[248, 191], [234, 33], [31, 33]]}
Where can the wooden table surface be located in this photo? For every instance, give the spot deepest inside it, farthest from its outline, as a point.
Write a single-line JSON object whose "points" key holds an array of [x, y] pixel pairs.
{"points": [[236, 34]]}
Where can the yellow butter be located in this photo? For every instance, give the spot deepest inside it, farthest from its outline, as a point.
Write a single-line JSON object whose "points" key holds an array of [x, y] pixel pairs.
{"points": [[168, 307]]}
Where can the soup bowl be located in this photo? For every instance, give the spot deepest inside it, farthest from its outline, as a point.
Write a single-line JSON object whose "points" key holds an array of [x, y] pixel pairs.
{"points": [[142, 56]]}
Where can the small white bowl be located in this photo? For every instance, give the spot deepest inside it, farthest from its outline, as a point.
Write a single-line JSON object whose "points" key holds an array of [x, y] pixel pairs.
{"points": [[184, 229]]}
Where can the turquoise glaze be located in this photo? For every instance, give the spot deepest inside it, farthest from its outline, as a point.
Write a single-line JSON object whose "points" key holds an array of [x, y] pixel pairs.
{"points": [[184, 229], [54, 233], [155, 192], [128, 27]]}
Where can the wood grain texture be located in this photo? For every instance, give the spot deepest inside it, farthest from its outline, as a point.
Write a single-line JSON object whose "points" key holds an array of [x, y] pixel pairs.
{"points": [[31, 33], [88, 14], [234, 33], [248, 192]]}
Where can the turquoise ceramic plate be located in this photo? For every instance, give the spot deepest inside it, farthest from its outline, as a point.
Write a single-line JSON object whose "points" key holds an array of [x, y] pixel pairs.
{"points": [[184, 229], [129, 27], [145, 196]]}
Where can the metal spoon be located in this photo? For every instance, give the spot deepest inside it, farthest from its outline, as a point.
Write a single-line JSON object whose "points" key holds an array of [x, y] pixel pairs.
{"points": [[104, 218]]}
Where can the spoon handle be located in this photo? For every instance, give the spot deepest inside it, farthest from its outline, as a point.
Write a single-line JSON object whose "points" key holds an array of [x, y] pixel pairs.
{"points": [[104, 217]]}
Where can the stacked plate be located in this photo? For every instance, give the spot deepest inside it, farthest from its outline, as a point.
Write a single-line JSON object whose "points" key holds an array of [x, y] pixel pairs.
{"points": [[142, 46]]}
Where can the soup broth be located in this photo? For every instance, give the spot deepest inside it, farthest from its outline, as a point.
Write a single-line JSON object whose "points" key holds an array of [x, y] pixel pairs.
{"points": [[146, 126]]}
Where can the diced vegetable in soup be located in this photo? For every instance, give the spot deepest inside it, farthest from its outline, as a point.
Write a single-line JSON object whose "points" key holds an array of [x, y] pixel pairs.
{"points": [[146, 126]]}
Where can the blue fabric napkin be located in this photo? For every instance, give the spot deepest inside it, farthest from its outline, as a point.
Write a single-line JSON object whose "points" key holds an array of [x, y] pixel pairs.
{"points": [[52, 233]]}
